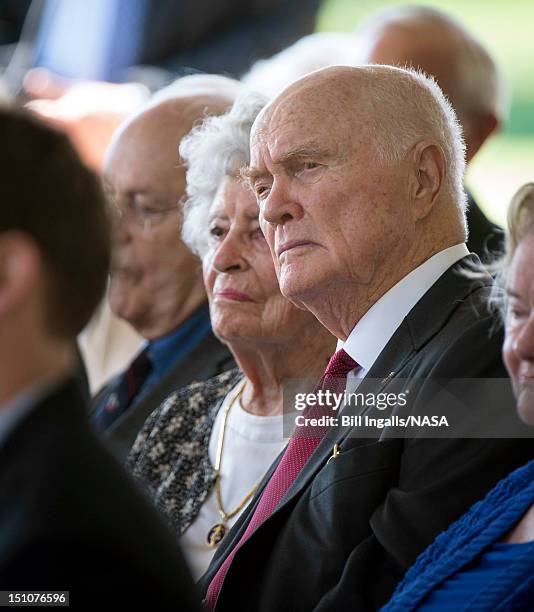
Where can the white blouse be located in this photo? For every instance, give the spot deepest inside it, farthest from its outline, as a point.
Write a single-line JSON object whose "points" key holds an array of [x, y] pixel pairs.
{"points": [[251, 444]]}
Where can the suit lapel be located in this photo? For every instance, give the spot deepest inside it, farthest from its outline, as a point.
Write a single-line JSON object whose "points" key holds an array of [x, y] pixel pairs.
{"points": [[423, 322], [396, 354]]}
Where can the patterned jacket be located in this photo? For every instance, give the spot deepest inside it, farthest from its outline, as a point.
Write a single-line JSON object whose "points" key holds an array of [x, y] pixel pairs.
{"points": [[170, 455]]}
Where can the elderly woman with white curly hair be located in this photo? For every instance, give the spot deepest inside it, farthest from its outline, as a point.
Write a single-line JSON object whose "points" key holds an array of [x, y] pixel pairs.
{"points": [[203, 452]]}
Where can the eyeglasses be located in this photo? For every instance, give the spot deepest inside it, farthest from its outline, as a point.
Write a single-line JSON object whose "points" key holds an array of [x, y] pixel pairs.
{"points": [[139, 217]]}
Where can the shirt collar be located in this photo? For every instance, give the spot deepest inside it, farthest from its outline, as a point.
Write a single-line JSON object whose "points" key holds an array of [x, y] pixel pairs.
{"points": [[374, 330], [166, 350]]}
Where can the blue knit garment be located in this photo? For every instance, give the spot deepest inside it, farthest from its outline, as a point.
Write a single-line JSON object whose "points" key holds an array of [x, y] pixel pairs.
{"points": [[487, 522]]}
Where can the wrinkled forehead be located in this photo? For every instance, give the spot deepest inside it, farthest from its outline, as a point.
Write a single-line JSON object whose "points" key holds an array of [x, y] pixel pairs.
{"points": [[144, 158], [234, 199], [304, 120]]}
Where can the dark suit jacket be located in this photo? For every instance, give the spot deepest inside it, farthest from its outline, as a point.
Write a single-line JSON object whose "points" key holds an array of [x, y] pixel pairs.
{"points": [[72, 519], [485, 238], [208, 359], [346, 531]]}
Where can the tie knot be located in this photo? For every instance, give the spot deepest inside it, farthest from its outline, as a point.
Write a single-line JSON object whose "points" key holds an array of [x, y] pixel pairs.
{"points": [[340, 364]]}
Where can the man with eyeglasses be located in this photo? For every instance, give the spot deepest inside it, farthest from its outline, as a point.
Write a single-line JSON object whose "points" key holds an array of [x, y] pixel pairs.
{"points": [[156, 282]]}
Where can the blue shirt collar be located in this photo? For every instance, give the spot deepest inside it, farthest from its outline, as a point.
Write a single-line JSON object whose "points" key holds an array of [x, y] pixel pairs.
{"points": [[167, 350]]}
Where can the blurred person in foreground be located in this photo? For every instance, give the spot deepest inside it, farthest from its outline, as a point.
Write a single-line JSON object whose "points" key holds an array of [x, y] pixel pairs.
{"points": [[485, 561], [358, 173], [71, 518], [420, 37], [156, 281], [203, 452]]}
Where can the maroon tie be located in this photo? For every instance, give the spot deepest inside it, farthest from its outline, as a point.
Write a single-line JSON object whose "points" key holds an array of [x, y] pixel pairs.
{"points": [[298, 451]]}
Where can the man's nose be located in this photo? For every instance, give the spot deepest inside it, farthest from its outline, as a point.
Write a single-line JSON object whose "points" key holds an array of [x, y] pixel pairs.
{"points": [[282, 204]]}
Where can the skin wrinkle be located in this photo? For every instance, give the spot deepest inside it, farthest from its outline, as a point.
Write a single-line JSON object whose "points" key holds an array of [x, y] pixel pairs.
{"points": [[371, 224]]}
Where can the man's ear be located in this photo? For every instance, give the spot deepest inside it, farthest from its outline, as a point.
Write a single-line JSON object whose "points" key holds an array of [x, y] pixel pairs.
{"points": [[427, 177], [20, 269]]}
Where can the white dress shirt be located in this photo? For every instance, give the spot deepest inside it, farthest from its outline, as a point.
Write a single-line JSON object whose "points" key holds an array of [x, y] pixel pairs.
{"points": [[377, 326]]}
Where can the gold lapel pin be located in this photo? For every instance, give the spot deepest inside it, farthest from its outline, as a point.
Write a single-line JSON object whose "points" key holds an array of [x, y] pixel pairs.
{"points": [[335, 452], [388, 378]]}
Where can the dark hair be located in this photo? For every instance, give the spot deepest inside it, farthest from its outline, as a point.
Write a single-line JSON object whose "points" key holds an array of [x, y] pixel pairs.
{"points": [[50, 195]]}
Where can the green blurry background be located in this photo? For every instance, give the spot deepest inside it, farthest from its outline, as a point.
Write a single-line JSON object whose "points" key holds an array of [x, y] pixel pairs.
{"points": [[507, 28]]}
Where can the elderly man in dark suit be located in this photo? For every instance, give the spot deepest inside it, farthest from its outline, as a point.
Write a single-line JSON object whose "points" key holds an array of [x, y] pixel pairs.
{"points": [[70, 518], [358, 175], [156, 281], [433, 41]]}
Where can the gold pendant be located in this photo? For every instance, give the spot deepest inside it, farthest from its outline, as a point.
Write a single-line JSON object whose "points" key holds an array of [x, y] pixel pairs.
{"points": [[216, 534]]}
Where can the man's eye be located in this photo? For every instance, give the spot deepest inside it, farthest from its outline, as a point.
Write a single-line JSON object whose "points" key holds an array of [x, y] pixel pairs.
{"points": [[261, 191], [308, 170]]}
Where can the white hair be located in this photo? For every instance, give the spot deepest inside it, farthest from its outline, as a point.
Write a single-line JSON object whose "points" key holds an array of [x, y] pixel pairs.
{"points": [[405, 106], [478, 80], [216, 149], [197, 85]]}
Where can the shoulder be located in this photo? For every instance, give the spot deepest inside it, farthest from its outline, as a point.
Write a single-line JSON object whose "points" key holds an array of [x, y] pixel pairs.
{"points": [[73, 495], [194, 399], [483, 524], [468, 340], [188, 412]]}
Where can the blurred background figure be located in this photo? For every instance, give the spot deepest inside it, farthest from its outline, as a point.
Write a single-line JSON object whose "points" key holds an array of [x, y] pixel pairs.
{"points": [[203, 452], [507, 158], [270, 76], [71, 518], [486, 559], [156, 281], [428, 39], [99, 42], [419, 37]]}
